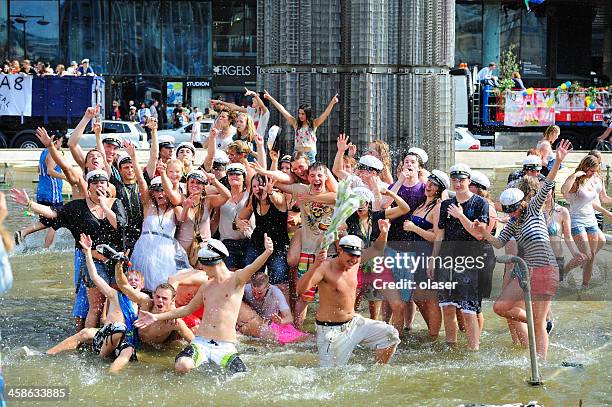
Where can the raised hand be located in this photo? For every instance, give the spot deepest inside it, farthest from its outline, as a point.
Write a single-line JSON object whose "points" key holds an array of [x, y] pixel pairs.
{"points": [[91, 112], [563, 150], [342, 142], [129, 148], [144, 319], [259, 140], [151, 123], [43, 136], [256, 166], [270, 183], [85, 242], [336, 99], [20, 196], [161, 167], [266, 95], [210, 177], [269, 246], [384, 225], [321, 256], [249, 92], [97, 128]]}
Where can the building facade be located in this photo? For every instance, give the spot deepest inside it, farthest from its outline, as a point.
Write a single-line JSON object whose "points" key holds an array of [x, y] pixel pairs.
{"points": [[174, 51]]}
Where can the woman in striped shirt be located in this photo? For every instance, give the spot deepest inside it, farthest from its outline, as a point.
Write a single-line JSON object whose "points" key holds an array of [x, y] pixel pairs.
{"points": [[528, 226]]}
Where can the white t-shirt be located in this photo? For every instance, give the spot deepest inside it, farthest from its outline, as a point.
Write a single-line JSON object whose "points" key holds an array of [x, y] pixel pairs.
{"points": [[273, 303], [196, 134], [485, 73], [261, 121]]}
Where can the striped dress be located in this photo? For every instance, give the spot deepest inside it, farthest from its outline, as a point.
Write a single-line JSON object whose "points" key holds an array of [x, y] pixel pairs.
{"points": [[531, 233]]}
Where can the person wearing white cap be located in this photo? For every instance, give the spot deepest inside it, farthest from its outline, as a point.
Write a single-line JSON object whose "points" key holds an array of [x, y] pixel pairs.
{"points": [[129, 194], [528, 227], [456, 238], [221, 296], [198, 204], [158, 230], [339, 328], [363, 223], [420, 236], [185, 153], [98, 216], [532, 166], [109, 144]]}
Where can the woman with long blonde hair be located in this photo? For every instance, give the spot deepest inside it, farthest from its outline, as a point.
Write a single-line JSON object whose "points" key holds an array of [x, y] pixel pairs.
{"points": [[380, 150], [581, 190]]}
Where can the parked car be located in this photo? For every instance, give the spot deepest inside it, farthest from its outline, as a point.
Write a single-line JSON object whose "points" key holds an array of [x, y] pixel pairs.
{"points": [[124, 129], [464, 140], [184, 133]]}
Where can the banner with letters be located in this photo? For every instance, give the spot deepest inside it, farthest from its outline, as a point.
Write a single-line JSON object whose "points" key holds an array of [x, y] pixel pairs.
{"points": [[533, 108], [16, 95]]}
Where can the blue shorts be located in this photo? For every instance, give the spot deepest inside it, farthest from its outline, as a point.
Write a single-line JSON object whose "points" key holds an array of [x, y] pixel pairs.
{"points": [[589, 230], [466, 306], [236, 250], [278, 269], [312, 156], [102, 269], [81, 304], [403, 275]]}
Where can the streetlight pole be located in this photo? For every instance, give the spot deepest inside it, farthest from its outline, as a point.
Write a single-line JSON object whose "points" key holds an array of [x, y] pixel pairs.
{"points": [[21, 19]]}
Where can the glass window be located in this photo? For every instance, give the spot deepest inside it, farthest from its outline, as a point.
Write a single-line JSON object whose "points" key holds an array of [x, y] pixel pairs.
{"points": [[3, 28], [533, 45], [34, 30], [205, 127], [85, 25], [234, 28], [135, 37], [510, 29], [110, 127], [468, 34], [186, 39]]}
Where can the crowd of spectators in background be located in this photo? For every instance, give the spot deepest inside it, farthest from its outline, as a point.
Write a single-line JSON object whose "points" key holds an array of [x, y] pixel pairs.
{"points": [[44, 68]]}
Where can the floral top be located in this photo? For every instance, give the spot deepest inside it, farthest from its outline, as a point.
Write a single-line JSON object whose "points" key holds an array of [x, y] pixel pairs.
{"points": [[305, 137]]}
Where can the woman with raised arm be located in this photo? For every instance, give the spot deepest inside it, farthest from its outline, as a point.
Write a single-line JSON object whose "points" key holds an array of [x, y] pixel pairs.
{"points": [[305, 138], [97, 215], [528, 227], [258, 111]]}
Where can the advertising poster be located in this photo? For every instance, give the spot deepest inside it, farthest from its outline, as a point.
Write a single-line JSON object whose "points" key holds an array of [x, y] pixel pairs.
{"points": [[525, 110], [174, 92]]}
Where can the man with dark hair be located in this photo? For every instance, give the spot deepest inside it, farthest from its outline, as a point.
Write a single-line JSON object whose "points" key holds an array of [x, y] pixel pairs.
{"points": [[129, 194]]}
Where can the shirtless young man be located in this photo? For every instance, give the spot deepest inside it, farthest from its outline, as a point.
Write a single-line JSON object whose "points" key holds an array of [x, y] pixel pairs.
{"points": [[339, 329], [118, 337], [221, 297], [163, 301]]}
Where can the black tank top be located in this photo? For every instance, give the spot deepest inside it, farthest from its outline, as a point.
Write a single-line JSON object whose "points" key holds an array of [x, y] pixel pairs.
{"points": [[274, 223]]}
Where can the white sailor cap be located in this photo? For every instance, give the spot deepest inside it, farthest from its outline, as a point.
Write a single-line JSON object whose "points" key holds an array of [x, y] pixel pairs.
{"points": [[351, 244], [480, 180], [532, 162], [165, 141], [364, 194], [96, 175], [186, 144], [439, 178], [511, 199], [112, 139], [212, 252], [198, 175], [369, 162], [221, 157], [420, 153], [123, 157], [236, 168], [460, 171], [156, 184]]}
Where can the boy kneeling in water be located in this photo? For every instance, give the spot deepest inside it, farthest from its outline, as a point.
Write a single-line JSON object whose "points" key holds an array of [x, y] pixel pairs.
{"points": [[221, 297], [119, 337]]}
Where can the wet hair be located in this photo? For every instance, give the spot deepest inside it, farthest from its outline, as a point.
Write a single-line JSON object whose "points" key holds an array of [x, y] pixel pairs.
{"points": [[240, 147], [529, 185], [588, 162], [349, 161], [298, 155], [317, 165], [308, 113], [138, 273], [418, 157], [231, 115], [93, 150], [262, 181], [551, 132], [534, 151], [166, 286], [250, 132], [260, 279]]}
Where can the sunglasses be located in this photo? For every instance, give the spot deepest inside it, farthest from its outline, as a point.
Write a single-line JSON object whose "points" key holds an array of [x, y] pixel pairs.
{"points": [[511, 208]]}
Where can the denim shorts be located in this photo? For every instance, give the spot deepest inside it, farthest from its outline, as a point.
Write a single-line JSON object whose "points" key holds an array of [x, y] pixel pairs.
{"points": [[589, 230], [466, 306], [312, 155], [278, 269], [103, 271], [236, 250]]}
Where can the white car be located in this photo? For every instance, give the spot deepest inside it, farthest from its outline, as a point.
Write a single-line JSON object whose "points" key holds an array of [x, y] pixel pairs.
{"points": [[124, 129], [464, 140], [184, 133]]}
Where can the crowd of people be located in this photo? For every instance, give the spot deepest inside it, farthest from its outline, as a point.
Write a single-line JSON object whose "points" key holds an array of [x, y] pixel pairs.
{"points": [[42, 68], [246, 240]]}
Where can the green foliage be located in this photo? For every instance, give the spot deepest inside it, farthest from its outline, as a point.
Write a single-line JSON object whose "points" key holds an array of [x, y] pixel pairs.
{"points": [[508, 64]]}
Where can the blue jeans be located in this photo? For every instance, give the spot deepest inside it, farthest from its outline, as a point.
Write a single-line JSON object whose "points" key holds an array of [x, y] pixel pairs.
{"points": [[278, 269], [81, 304], [237, 250]]}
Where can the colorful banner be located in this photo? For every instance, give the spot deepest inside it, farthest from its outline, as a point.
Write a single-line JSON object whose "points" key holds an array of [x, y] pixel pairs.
{"points": [[536, 108], [16, 95]]}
